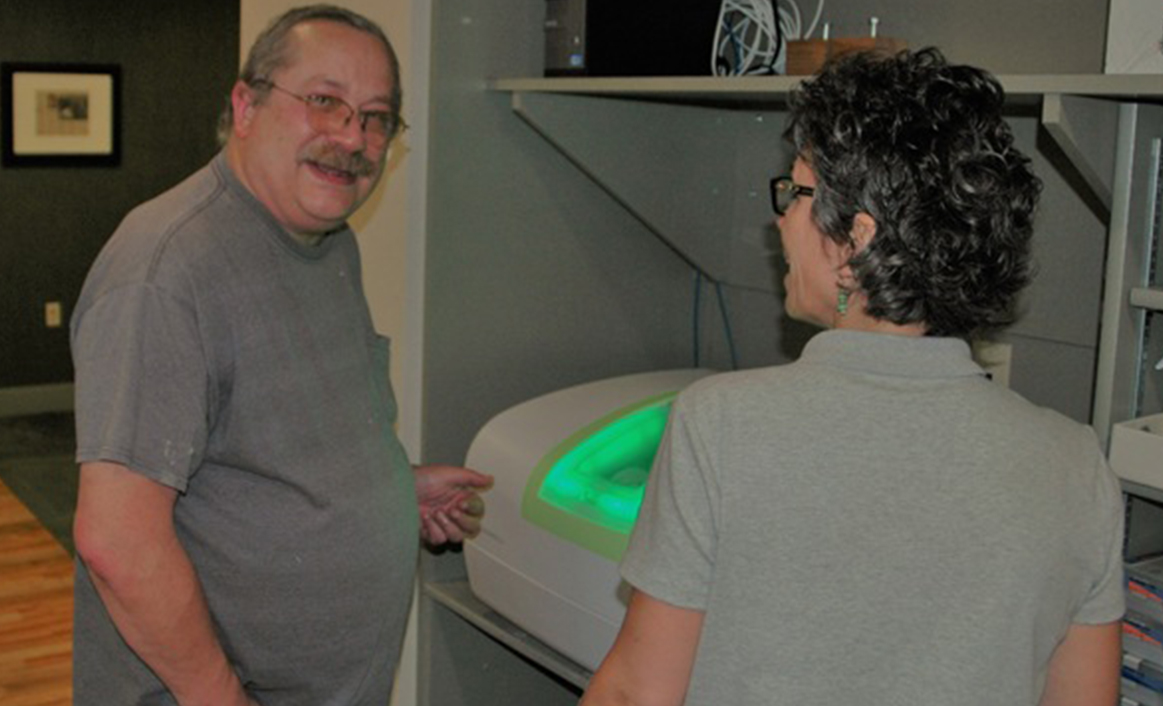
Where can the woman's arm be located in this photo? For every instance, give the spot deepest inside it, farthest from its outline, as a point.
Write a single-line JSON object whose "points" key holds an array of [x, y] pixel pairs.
{"points": [[1084, 670], [651, 660]]}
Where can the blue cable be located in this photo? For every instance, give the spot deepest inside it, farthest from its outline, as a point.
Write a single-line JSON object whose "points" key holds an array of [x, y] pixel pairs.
{"points": [[695, 320], [726, 325]]}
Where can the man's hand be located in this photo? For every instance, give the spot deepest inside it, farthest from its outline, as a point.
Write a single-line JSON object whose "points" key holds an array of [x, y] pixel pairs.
{"points": [[450, 505]]}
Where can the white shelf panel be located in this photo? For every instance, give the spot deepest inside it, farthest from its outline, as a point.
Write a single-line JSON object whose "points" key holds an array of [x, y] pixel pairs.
{"points": [[1147, 298]]}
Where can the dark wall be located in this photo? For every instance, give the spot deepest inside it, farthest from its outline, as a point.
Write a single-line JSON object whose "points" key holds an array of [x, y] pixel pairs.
{"points": [[178, 59]]}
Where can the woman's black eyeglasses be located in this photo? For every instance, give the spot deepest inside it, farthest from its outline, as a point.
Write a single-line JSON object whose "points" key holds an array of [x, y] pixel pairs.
{"points": [[784, 191]]}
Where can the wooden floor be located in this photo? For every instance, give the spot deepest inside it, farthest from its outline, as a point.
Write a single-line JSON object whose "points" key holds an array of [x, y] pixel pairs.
{"points": [[36, 611]]}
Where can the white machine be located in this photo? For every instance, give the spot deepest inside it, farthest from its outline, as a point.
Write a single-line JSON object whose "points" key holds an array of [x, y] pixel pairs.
{"points": [[570, 470]]}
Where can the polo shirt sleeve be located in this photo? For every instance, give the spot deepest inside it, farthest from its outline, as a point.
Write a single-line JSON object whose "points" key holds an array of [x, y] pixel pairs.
{"points": [[1106, 600], [141, 383], [671, 553]]}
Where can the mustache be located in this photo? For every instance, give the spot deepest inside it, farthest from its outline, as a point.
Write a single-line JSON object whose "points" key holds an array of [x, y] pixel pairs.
{"points": [[333, 157]]}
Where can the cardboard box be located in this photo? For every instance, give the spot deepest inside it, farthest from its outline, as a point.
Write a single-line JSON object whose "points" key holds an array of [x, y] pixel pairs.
{"points": [[1136, 452], [808, 56]]}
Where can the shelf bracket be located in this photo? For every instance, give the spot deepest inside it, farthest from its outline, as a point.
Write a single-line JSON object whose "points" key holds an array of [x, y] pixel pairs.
{"points": [[1075, 123], [531, 118]]}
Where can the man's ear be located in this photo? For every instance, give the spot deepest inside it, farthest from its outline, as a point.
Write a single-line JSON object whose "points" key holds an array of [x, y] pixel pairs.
{"points": [[244, 102], [863, 231]]}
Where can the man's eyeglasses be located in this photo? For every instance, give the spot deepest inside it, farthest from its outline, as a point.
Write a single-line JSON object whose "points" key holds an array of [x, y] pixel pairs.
{"points": [[332, 114], [784, 191]]}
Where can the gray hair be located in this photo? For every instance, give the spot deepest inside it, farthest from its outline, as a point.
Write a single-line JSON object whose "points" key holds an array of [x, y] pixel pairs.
{"points": [[271, 52]]}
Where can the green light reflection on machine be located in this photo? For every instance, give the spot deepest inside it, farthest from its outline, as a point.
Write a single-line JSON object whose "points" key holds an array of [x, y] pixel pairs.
{"points": [[603, 477]]}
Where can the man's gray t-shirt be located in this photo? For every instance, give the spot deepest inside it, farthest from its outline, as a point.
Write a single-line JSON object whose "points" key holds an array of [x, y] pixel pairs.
{"points": [[217, 355], [878, 524]]}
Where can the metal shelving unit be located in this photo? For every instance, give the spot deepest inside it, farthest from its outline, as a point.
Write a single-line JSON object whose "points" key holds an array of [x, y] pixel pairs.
{"points": [[1103, 125]]}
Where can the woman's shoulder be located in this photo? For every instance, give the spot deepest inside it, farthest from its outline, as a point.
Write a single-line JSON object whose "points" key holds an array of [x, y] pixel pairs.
{"points": [[737, 387]]}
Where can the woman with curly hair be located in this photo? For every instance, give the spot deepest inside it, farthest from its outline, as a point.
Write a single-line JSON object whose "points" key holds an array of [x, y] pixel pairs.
{"points": [[878, 523]]}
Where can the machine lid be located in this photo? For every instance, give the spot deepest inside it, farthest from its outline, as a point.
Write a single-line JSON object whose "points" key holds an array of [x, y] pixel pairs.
{"points": [[588, 489]]}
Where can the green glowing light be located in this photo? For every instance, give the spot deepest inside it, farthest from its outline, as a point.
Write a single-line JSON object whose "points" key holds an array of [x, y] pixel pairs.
{"points": [[603, 477], [588, 489]]}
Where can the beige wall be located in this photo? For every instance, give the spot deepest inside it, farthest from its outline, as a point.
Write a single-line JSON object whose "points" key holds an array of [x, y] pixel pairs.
{"points": [[390, 226]]}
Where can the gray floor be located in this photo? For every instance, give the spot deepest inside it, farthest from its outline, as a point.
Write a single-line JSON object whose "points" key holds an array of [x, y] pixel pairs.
{"points": [[36, 463]]}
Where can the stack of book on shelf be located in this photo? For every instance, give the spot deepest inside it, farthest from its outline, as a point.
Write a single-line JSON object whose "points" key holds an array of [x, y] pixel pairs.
{"points": [[1142, 678]]}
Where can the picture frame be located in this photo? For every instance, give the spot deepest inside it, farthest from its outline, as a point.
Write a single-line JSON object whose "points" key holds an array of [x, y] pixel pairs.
{"points": [[60, 114]]}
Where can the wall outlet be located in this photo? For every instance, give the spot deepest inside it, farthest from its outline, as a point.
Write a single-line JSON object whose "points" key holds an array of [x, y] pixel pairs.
{"points": [[52, 314], [995, 358]]}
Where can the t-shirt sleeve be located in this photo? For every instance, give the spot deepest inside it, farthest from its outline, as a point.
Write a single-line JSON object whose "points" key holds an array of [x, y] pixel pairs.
{"points": [[672, 548], [141, 384]]}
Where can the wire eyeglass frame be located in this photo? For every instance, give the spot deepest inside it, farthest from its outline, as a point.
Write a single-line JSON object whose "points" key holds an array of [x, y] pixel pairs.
{"points": [[328, 113]]}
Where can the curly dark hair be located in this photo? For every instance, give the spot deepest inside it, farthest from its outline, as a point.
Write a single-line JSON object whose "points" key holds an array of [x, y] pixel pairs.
{"points": [[921, 146]]}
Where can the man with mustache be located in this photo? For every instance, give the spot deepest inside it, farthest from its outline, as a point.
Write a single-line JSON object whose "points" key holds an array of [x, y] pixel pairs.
{"points": [[248, 523]]}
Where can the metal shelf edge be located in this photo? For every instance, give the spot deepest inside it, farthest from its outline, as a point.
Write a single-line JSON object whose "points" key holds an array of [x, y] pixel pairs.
{"points": [[744, 88], [458, 597]]}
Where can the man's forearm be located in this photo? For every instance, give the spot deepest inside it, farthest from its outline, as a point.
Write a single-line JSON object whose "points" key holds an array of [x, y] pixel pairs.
{"points": [[163, 617], [125, 537]]}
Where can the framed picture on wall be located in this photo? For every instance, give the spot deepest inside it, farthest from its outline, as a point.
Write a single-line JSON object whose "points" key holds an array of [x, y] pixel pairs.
{"points": [[60, 114]]}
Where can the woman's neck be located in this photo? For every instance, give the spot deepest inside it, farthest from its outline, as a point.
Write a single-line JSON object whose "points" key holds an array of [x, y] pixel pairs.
{"points": [[856, 318]]}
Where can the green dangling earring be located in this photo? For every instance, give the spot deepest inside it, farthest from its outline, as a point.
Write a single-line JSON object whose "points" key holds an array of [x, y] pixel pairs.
{"points": [[842, 302]]}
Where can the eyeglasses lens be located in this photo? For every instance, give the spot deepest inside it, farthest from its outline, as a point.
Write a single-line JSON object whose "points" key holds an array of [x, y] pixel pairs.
{"points": [[334, 116], [781, 195]]}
